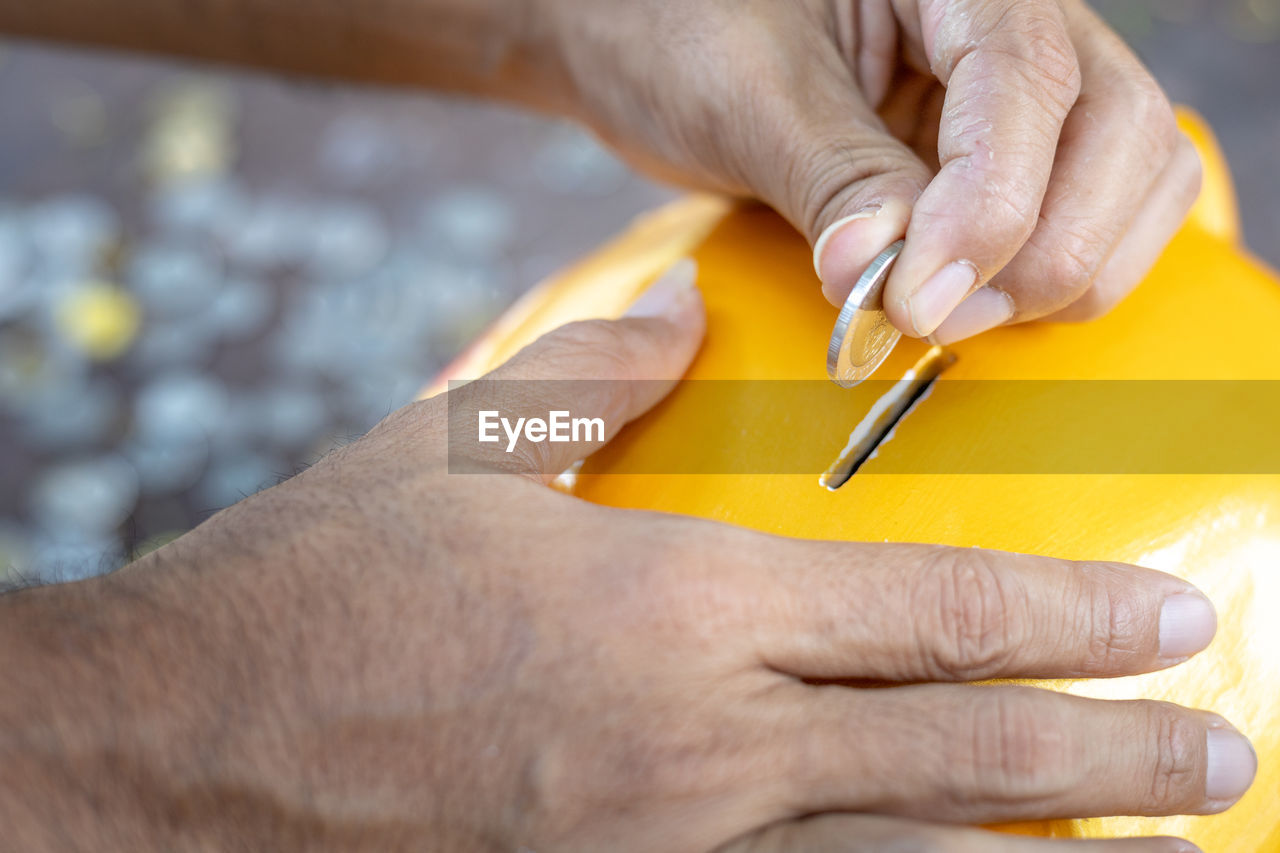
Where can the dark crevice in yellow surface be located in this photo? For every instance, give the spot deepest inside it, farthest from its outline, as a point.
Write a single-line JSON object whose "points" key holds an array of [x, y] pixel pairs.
{"points": [[883, 418]]}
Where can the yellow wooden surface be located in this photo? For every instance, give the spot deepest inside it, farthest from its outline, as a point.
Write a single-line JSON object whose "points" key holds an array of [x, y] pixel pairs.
{"points": [[1207, 311]]}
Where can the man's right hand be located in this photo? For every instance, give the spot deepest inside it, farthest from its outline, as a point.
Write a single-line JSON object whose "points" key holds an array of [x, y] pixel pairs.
{"points": [[381, 655]]}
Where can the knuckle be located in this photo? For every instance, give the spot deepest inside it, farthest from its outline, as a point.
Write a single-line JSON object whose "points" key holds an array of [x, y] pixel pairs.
{"points": [[594, 350], [1176, 744], [831, 173], [1151, 112], [1035, 38], [1064, 259], [603, 339], [533, 458], [979, 615], [1010, 204], [1020, 746], [1076, 261], [1112, 625]]}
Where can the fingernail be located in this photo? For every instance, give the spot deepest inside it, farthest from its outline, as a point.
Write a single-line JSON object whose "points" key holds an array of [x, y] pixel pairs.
{"points": [[669, 294], [833, 229], [1187, 624], [985, 309], [1231, 765], [933, 301]]}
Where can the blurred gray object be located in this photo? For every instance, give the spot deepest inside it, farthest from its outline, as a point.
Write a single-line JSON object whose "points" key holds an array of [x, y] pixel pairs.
{"points": [[180, 406], [89, 497], [304, 257], [171, 279]]}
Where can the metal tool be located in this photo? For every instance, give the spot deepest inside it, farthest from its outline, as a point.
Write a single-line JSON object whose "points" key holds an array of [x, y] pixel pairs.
{"points": [[863, 336]]}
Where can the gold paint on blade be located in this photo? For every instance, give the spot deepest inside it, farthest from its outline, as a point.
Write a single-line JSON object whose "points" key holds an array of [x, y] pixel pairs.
{"points": [[886, 414]]}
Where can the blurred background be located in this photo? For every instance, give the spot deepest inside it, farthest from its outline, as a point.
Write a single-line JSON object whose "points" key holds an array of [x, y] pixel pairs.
{"points": [[210, 278]]}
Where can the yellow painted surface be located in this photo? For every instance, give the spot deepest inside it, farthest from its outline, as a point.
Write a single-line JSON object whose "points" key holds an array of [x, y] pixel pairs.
{"points": [[1207, 311]]}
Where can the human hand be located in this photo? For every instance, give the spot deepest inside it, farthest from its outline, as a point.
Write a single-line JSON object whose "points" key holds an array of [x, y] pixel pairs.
{"points": [[1062, 172], [1030, 160], [380, 653]]}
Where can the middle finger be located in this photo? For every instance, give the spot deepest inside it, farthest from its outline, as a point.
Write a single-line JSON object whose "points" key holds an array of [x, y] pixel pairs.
{"points": [[1116, 140], [975, 754]]}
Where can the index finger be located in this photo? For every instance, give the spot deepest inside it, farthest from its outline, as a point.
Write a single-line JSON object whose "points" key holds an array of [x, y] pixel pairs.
{"points": [[1012, 77], [933, 613]]}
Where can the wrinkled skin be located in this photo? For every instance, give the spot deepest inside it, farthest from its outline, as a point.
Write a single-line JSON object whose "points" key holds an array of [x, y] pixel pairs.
{"points": [[379, 654], [1018, 138], [1029, 159]]}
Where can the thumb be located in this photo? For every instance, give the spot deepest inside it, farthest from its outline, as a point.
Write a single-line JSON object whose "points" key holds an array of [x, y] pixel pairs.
{"points": [[571, 391], [849, 185]]}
